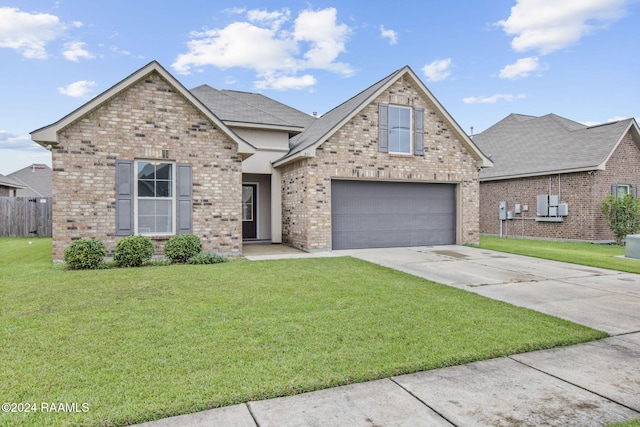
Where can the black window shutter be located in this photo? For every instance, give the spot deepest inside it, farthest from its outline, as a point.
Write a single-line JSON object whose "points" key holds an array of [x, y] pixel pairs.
{"points": [[124, 197], [418, 133], [383, 128], [184, 199]]}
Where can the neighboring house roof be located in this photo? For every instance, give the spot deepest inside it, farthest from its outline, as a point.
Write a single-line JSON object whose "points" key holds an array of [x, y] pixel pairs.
{"points": [[521, 145], [5, 181], [304, 144], [48, 134], [244, 109], [35, 179]]}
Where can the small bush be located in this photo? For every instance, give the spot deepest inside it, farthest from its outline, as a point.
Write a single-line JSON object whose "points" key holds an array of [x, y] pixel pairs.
{"points": [[85, 254], [133, 251], [182, 247], [207, 258]]}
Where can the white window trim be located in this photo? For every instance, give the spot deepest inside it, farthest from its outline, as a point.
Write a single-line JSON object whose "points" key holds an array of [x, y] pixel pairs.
{"points": [[411, 131], [627, 186], [173, 198]]}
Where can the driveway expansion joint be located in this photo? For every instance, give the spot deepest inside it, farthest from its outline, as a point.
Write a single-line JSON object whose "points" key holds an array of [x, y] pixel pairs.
{"points": [[573, 384], [440, 414]]}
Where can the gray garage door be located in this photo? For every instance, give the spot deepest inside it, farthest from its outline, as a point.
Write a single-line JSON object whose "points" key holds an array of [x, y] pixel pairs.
{"points": [[371, 214]]}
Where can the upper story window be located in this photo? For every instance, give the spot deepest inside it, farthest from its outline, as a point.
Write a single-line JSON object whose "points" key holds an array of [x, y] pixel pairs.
{"points": [[155, 197], [399, 129]]}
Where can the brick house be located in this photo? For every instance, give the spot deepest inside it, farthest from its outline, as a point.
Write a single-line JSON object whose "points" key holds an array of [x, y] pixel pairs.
{"points": [[35, 181], [9, 187], [389, 167], [553, 174]]}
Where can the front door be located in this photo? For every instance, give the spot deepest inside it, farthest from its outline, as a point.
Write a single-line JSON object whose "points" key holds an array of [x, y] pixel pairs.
{"points": [[249, 211]]}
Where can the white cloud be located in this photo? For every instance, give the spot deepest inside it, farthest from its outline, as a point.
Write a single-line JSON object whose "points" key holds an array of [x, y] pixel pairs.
{"points": [[272, 19], [78, 89], [314, 40], [73, 51], [10, 141], [327, 39], [491, 99], [437, 70], [286, 82], [522, 68], [28, 33], [391, 35], [549, 25]]}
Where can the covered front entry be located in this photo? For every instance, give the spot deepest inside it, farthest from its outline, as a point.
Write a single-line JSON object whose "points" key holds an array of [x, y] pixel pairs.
{"points": [[256, 207], [381, 214]]}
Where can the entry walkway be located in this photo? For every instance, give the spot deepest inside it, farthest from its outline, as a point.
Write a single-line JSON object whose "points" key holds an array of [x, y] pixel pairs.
{"points": [[591, 384]]}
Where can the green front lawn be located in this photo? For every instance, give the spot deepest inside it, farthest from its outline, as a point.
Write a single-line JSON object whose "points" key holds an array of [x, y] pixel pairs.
{"points": [[141, 344], [594, 255]]}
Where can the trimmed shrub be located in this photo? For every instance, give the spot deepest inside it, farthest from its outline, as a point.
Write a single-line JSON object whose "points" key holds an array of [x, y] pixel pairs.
{"points": [[85, 254], [207, 258], [181, 247], [133, 251]]}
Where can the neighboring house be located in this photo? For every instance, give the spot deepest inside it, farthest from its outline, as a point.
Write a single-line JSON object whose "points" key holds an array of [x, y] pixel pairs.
{"points": [[36, 180], [389, 167], [553, 174], [8, 187]]}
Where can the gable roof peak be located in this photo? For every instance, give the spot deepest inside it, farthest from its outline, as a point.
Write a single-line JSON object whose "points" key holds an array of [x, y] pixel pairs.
{"points": [[549, 144], [305, 143], [49, 134]]}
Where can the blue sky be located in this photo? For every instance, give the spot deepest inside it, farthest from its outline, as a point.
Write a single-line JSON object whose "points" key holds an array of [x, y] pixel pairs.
{"points": [[482, 59]]}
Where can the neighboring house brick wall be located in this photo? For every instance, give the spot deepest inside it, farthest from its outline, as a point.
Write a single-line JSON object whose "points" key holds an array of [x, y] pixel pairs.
{"points": [[352, 152], [148, 117], [582, 191], [5, 191]]}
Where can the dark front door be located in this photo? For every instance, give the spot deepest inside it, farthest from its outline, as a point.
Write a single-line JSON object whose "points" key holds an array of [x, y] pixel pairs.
{"points": [[249, 211]]}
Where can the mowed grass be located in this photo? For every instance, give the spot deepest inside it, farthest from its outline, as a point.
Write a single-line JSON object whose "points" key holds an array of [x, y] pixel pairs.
{"points": [[584, 253], [147, 343]]}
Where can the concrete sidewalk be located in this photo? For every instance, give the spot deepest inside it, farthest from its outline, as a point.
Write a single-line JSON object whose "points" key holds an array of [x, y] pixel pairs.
{"points": [[591, 384]]}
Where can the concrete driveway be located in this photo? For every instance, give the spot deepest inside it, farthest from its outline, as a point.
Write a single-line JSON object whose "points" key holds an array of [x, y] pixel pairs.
{"points": [[602, 299]]}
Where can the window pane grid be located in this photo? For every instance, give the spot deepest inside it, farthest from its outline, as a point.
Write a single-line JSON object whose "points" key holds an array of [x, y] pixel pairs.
{"points": [[155, 198], [399, 130]]}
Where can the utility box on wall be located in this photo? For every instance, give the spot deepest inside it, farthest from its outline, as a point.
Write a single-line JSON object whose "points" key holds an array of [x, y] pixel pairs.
{"points": [[549, 208], [503, 210], [542, 204]]}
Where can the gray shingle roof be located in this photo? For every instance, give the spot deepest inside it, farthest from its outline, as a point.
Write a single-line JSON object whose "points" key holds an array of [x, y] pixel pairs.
{"points": [[36, 180], [8, 182], [250, 108], [317, 130], [522, 145]]}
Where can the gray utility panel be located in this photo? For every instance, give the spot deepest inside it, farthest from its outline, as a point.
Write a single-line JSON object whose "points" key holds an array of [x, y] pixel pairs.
{"points": [[374, 214]]}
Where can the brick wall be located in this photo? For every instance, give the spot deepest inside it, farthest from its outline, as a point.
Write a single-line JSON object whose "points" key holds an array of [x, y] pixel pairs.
{"points": [[148, 117], [5, 191], [352, 152], [582, 191]]}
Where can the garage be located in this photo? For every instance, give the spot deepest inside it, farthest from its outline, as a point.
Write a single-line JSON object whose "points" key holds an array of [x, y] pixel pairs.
{"points": [[377, 214]]}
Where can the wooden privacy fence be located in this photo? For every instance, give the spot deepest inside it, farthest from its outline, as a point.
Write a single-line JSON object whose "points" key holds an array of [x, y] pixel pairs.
{"points": [[25, 216]]}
